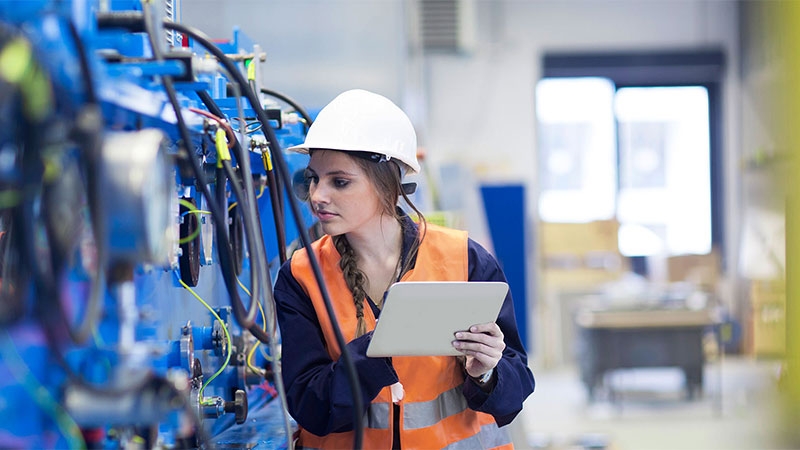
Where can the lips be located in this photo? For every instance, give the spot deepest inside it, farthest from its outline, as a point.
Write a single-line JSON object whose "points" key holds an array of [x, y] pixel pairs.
{"points": [[325, 215]]}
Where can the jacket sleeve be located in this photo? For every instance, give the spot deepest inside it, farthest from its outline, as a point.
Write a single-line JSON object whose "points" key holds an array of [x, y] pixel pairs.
{"points": [[514, 379], [318, 392]]}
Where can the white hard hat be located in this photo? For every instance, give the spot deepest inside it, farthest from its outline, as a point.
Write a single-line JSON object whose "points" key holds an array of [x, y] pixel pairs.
{"points": [[362, 121]]}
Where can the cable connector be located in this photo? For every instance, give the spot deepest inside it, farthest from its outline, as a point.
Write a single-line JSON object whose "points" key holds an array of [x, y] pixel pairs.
{"points": [[223, 154]]}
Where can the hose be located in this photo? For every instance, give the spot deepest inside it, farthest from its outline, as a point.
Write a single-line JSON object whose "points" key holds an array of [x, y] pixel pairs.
{"points": [[352, 376], [288, 100]]}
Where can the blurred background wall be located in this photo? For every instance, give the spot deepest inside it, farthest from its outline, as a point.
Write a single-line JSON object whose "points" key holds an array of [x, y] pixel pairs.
{"points": [[473, 97], [467, 72]]}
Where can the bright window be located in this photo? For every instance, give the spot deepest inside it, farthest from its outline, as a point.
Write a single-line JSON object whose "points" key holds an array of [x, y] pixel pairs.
{"points": [[665, 173], [640, 155], [577, 149]]}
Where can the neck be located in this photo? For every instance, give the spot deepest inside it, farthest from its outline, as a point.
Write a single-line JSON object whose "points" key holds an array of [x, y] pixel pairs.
{"points": [[381, 242]]}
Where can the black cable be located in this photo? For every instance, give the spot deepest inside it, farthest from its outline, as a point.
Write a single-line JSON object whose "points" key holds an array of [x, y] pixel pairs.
{"points": [[45, 276], [43, 269], [249, 202], [245, 320], [280, 231], [272, 141], [240, 194], [87, 132], [251, 224], [275, 185], [88, 79], [137, 22], [16, 277], [288, 100], [250, 190], [278, 215]]}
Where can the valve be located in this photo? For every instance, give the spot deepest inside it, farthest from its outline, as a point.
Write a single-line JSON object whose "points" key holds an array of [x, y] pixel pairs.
{"points": [[238, 406], [214, 407]]}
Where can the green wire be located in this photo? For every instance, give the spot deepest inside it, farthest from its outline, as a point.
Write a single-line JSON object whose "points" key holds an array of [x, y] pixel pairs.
{"points": [[22, 373], [227, 337], [249, 359], [191, 209], [263, 327]]}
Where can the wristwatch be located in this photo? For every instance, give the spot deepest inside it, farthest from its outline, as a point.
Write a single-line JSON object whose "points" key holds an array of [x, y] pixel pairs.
{"points": [[483, 379]]}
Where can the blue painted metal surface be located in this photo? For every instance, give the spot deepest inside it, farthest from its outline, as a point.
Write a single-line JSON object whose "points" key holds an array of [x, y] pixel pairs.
{"points": [[132, 97], [506, 214]]}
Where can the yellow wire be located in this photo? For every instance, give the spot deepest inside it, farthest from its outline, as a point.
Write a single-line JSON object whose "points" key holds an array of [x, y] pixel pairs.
{"points": [[190, 208], [189, 205], [252, 351], [227, 337], [260, 193], [22, 373], [266, 356]]}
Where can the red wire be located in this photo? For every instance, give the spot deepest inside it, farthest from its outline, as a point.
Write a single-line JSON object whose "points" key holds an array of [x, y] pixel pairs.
{"points": [[224, 123]]}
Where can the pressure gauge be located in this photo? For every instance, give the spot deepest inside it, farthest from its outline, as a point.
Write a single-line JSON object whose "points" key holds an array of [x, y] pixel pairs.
{"points": [[138, 183]]}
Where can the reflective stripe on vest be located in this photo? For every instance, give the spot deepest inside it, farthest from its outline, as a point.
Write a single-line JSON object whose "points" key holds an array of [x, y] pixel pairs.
{"points": [[434, 411], [378, 415], [490, 436], [425, 414]]}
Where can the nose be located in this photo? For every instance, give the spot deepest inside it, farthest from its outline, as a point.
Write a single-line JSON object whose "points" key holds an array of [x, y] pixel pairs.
{"points": [[317, 195]]}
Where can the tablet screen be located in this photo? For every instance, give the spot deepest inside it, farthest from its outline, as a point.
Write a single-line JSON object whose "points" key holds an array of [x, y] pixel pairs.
{"points": [[419, 318]]}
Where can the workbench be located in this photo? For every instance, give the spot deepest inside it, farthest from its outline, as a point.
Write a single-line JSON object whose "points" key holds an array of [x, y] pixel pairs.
{"points": [[622, 339]]}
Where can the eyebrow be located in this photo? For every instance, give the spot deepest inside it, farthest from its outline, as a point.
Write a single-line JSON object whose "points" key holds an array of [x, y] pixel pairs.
{"points": [[333, 172]]}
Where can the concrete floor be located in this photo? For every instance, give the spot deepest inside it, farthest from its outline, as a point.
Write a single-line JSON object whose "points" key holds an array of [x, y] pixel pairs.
{"points": [[647, 409]]}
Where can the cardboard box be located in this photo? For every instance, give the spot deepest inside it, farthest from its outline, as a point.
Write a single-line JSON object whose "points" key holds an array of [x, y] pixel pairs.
{"points": [[580, 255], [701, 270], [579, 238]]}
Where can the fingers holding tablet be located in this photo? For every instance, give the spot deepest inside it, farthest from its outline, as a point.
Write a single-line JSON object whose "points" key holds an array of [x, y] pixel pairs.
{"points": [[483, 346]]}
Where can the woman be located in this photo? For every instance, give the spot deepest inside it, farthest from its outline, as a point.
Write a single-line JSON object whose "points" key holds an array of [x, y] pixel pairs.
{"points": [[361, 145]]}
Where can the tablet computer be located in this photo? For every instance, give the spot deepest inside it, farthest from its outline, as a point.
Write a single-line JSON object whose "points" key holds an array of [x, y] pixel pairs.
{"points": [[419, 318]]}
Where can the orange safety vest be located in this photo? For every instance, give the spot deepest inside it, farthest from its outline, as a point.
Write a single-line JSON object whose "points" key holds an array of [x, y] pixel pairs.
{"points": [[433, 412]]}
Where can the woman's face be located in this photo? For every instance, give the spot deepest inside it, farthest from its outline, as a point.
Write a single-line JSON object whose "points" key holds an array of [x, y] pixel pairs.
{"points": [[341, 195]]}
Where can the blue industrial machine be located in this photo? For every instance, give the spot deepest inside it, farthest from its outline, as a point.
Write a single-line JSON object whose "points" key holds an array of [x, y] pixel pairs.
{"points": [[144, 213]]}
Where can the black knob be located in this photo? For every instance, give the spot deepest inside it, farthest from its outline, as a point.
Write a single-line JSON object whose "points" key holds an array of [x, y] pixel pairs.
{"points": [[238, 406]]}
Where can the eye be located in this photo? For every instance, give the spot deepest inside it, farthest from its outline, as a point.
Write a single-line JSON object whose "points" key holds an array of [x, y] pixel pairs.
{"points": [[341, 182], [310, 177]]}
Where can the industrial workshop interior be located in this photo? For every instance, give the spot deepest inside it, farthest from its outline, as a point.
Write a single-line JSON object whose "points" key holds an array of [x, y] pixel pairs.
{"points": [[627, 162]]}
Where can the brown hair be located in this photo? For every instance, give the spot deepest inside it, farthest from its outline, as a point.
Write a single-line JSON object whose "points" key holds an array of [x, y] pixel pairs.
{"points": [[385, 177]]}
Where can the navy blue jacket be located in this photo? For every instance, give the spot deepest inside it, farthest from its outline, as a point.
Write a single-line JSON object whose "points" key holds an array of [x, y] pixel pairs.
{"points": [[318, 392]]}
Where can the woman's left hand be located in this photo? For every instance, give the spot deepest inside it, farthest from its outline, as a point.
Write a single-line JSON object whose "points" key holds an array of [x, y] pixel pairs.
{"points": [[483, 346]]}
